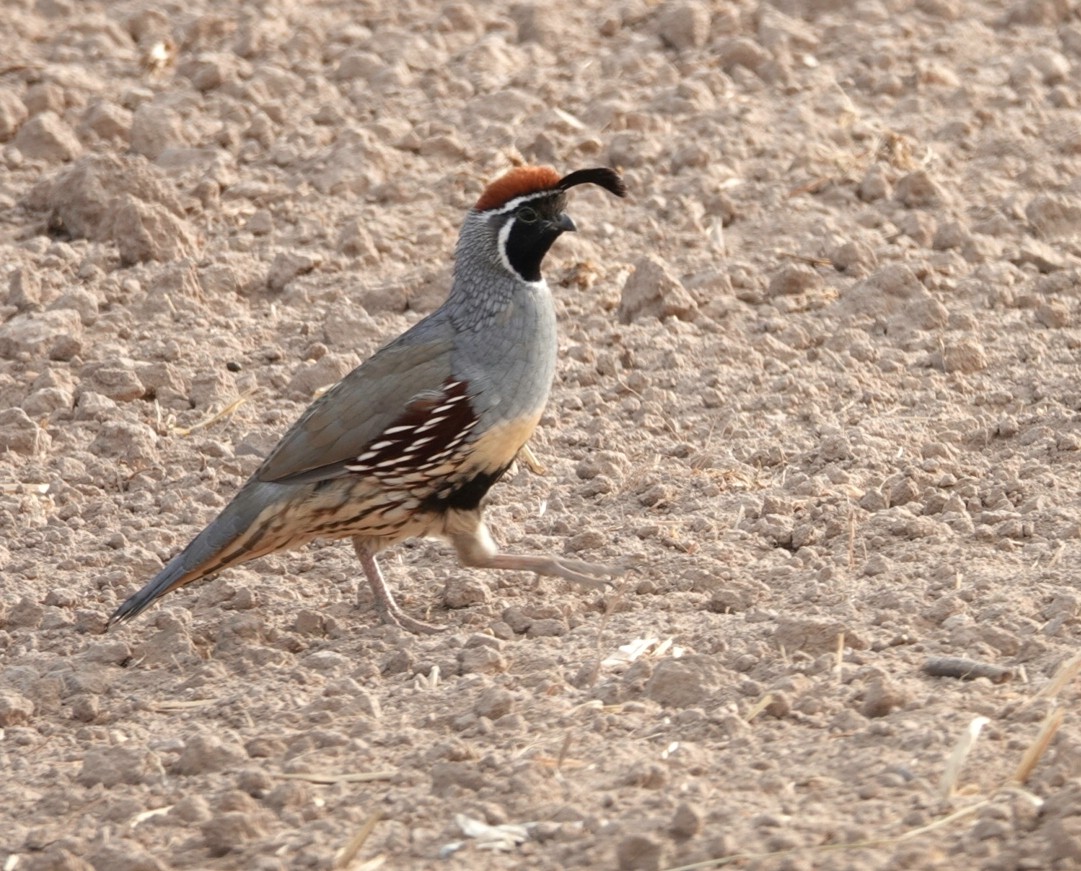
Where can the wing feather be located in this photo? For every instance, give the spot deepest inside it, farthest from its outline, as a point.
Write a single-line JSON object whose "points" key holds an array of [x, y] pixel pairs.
{"points": [[346, 420]]}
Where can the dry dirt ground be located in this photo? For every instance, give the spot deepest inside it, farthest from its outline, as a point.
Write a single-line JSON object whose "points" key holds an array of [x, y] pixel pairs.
{"points": [[819, 376]]}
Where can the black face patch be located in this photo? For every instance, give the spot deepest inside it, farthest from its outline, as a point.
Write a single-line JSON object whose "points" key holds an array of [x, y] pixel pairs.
{"points": [[535, 225]]}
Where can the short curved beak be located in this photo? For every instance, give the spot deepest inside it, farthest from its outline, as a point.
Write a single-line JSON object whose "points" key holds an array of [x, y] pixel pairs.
{"points": [[564, 223]]}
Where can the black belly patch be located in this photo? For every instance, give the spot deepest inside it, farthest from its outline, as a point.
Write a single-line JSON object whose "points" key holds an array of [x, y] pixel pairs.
{"points": [[462, 495]]}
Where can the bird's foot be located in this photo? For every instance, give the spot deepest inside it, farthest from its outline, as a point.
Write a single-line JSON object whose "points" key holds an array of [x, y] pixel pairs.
{"points": [[593, 576], [395, 616]]}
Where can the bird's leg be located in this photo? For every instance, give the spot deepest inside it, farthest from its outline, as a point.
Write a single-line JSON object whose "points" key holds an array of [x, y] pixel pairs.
{"points": [[384, 601], [476, 548]]}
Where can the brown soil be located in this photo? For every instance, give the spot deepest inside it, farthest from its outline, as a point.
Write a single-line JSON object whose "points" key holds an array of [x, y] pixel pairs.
{"points": [[819, 376]]}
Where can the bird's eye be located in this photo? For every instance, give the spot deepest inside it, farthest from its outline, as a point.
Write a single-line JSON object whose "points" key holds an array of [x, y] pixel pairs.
{"points": [[527, 215]]}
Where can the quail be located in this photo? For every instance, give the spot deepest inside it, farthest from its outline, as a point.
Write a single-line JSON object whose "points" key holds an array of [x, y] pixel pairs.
{"points": [[408, 443]]}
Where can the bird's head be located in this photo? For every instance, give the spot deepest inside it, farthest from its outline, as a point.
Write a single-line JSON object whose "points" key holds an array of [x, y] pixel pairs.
{"points": [[523, 212]]}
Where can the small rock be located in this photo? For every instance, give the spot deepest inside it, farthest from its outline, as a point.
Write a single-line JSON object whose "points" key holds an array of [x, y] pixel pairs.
{"points": [[46, 137], [812, 635], [133, 443], [27, 614], [547, 627], [794, 279], [117, 380], [464, 591], [231, 831], [107, 121], [309, 622], [853, 257], [880, 697], [12, 113], [155, 128], [82, 200], [1038, 253], [124, 855], [538, 22], [326, 660], [1054, 315], [111, 766], [20, 435], [966, 356], [952, 234], [148, 231], [463, 775], [684, 25], [204, 753], [918, 190], [354, 240], [639, 853], [875, 185], [680, 683], [1054, 216], [494, 703], [686, 822], [742, 52], [15, 710], [80, 300], [481, 660], [286, 266], [56, 335], [517, 619], [653, 291], [1064, 836], [54, 858], [24, 289]]}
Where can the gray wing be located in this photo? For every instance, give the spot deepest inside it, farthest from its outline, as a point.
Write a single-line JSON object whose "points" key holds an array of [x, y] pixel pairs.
{"points": [[344, 421]]}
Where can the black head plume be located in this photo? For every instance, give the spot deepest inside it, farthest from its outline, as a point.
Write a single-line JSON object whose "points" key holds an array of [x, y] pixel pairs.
{"points": [[601, 176]]}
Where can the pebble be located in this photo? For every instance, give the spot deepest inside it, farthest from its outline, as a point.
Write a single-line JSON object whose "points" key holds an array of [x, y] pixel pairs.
{"points": [[53, 335], [204, 753], [681, 683], [15, 710], [111, 766], [148, 231], [639, 853], [684, 24], [46, 137], [652, 290], [21, 435], [13, 113]]}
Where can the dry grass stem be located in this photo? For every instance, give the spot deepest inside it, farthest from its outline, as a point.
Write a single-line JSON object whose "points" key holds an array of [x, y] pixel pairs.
{"points": [[214, 418], [948, 785], [1065, 674], [1039, 745], [347, 853], [330, 777]]}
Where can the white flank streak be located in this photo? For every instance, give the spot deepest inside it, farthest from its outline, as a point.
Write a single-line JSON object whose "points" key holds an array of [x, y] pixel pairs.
{"points": [[433, 421], [397, 429]]}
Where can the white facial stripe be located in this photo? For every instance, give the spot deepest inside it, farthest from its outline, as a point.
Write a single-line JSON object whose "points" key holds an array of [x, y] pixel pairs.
{"points": [[504, 236], [511, 205]]}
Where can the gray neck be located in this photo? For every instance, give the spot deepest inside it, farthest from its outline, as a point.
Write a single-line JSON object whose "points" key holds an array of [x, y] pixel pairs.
{"points": [[484, 285], [515, 358]]}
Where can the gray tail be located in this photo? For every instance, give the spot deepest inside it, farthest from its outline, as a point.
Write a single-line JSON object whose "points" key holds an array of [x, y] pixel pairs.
{"points": [[232, 538]]}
